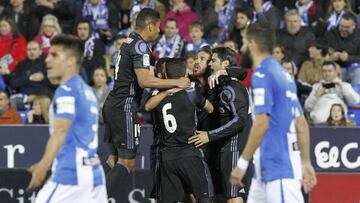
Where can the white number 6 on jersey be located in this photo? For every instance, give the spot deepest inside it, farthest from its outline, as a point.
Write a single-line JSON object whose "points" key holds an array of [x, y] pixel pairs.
{"points": [[169, 120]]}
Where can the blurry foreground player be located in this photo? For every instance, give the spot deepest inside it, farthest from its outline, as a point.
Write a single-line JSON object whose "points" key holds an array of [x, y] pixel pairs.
{"points": [[77, 175], [280, 134], [182, 164], [121, 106]]}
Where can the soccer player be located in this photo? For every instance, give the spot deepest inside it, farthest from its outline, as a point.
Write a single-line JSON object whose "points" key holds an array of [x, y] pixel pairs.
{"points": [[121, 106], [77, 175], [182, 165], [235, 121], [280, 134]]}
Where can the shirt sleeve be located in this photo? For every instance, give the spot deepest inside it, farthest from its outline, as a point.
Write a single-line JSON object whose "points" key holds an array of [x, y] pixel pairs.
{"points": [[239, 107], [140, 55], [262, 92], [65, 103]]}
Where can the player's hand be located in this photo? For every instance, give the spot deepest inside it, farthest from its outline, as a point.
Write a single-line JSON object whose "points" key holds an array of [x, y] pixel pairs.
{"points": [[38, 172], [173, 90], [213, 79], [236, 176], [183, 82], [199, 139], [309, 177]]}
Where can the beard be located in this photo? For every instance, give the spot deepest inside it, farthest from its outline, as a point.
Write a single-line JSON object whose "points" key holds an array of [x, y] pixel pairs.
{"points": [[246, 60]]}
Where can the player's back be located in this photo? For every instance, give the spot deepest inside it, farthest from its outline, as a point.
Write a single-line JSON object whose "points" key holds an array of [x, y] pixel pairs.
{"points": [[77, 162], [275, 94], [133, 53], [178, 115]]}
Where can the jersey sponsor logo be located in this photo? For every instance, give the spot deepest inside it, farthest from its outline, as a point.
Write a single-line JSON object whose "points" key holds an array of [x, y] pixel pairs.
{"points": [[128, 40], [259, 75], [146, 60], [65, 104], [259, 96], [66, 88]]}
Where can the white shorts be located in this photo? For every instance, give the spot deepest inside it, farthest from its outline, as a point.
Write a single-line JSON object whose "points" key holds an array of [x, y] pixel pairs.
{"points": [[54, 193], [277, 191]]}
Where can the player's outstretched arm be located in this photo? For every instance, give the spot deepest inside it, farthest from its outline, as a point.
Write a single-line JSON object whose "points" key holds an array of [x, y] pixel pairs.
{"points": [[302, 132], [56, 140], [256, 136], [146, 80], [155, 100]]}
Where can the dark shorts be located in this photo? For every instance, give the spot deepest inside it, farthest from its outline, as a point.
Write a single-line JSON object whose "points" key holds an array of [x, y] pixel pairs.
{"points": [[122, 129], [228, 161], [191, 173]]}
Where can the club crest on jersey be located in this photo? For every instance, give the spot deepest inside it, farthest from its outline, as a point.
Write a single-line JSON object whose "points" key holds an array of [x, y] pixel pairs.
{"points": [[146, 60]]}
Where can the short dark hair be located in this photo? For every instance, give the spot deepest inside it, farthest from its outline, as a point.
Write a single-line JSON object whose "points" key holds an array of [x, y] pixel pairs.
{"points": [[330, 63], [145, 17], [247, 11], [225, 53], [84, 20], [70, 43], [349, 16], [263, 35], [173, 19], [175, 68], [159, 68]]}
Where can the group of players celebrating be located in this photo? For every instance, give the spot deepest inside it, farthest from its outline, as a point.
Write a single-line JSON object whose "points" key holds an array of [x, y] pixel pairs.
{"points": [[204, 135]]}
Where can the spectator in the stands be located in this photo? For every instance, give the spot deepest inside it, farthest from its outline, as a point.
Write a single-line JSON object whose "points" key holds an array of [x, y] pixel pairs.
{"points": [[243, 18], [295, 38], [190, 58], [100, 88], [118, 41], [39, 114], [337, 117], [29, 77], [337, 8], [197, 40], [64, 10], [308, 12], [170, 43], [94, 49], [12, 45], [303, 89], [344, 43], [279, 53], [311, 70], [183, 15], [24, 16], [49, 29], [232, 45], [8, 115], [225, 16], [266, 12], [103, 17], [154, 4], [330, 90], [128, 30]]}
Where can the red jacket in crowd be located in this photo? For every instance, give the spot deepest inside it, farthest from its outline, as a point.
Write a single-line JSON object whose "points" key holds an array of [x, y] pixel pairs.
{"points": [[10, 117], [16, 47]]}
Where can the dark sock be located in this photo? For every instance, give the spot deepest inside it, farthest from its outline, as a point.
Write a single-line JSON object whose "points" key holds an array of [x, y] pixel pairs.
{"points": [[107, 167], [115, 178]]}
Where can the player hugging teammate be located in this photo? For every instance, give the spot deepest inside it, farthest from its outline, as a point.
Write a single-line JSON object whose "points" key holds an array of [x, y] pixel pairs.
{"points": [[189, 137]]}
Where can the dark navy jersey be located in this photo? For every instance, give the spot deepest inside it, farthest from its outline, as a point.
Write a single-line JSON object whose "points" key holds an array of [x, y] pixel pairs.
{"points": [[234, 115], [134, 53], [178, 121]]}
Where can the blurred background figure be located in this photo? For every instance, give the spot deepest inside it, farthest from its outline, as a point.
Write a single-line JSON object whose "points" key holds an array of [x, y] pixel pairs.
{"points": [[100, 88], [49, 29], [337, 117], [39, 114], [8, 115]]}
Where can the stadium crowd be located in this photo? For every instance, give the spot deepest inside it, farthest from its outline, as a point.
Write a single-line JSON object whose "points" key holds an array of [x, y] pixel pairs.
{"points": [[318, 43]]}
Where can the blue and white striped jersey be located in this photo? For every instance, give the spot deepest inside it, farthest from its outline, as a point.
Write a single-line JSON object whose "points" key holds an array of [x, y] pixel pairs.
{"points": [[274, 93], [75, 101]]}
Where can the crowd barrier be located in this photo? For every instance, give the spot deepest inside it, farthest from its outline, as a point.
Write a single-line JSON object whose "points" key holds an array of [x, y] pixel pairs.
{"points": [[335, 154]]}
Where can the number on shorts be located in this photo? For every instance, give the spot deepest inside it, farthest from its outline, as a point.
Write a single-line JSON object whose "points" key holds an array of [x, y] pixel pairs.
{"points": [[169, 119]]}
